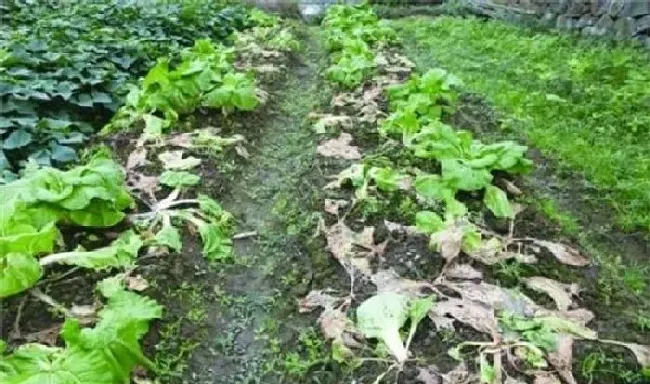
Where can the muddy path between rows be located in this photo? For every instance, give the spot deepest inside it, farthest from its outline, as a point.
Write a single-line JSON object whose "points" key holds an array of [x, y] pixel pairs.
{"points": [[227, 322]]}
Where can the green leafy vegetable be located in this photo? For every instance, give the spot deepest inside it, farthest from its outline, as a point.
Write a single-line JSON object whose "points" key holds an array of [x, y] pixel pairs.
{"points": [[381, 317], [18, 272], [497, 201], [105, 354], [176, 179]]}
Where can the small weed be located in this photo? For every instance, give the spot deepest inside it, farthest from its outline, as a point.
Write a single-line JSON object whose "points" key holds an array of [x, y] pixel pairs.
{"points": [[597, 365], [313, 352], [567, 222], [510, 271], [635, 279], [616, 279], [643, 321], [173, 350]]}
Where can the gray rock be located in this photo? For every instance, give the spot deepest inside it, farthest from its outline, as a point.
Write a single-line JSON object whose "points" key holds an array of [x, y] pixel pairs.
{"points": [[577, 8], [605, 23], [598, 7], [548, 20], [624, 27], [643, 24], [614, 7], [559, 6], [565, 22], [311, 13], [585, 21], [311, 10], [636, 8], [646, 42], [588, 31]]}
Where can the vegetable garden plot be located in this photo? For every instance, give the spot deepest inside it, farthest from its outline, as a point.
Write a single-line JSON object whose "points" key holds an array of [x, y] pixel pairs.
{"points": [[45, 206], [421, 263], [524, 338]]}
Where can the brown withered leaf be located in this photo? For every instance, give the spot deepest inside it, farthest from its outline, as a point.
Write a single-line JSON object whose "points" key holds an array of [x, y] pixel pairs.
{"points": [[512, 380], [397, 228], [48, 336], [339, 148], [581, 316], [327, 120], [402, 60], [85, 314], [641, 352], [333, 206], [183, 140], [137, 283], [449, 242], [471, 313], [269, 68], [560, 293], [511, 187], [342, 99], [340, 242], [460, 375], [463, 271], [389, 281], [428, 375], [542, 377], [137, 158], [317, 299], [562, 358], [495, 297], [370, 113], [174, 160], [563, 253], [145, 184]]}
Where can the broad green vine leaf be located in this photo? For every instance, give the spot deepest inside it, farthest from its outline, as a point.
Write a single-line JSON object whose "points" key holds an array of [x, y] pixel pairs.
{"points": [[17, 139], [37, 364], [454, 209], [153, 125], [18, 272], [488, 374], [386, 179], [28, 240], [428, 222], [177, 179], [419, 309], [121, 253], [115, 338], [432, 187], [497, 201], [217, 244], [169, 236], [459, 176], [97, 214], [210, 206], [381, 317], [62, 153]]}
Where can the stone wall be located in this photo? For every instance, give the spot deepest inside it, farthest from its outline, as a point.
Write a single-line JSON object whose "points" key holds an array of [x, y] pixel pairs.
{"points": [[621, 19]]}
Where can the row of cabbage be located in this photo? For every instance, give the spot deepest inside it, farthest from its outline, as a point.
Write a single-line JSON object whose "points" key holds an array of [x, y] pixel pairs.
{"points": [[447, 170], [95, 196]]}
